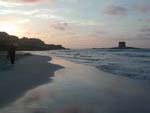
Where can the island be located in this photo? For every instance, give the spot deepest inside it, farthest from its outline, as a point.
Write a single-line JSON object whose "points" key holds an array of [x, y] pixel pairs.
{"points": [[122, 45], [25, 43]]}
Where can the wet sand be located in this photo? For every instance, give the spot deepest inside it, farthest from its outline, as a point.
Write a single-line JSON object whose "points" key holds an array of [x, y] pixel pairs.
{"points": [[79, 88], [27, 73]]}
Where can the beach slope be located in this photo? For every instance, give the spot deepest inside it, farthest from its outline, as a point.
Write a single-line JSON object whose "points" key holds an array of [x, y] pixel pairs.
{"points": [[26, 74]]}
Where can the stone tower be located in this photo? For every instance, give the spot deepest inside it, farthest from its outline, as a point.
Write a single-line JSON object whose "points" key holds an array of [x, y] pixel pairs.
{"points": [[122, 45]]}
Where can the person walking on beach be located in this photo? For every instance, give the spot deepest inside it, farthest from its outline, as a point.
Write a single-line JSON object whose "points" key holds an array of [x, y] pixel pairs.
{"points": [[11, 53]]}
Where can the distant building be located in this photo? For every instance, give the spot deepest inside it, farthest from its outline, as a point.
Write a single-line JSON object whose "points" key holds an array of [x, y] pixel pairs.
{"points": [[122, 45]]}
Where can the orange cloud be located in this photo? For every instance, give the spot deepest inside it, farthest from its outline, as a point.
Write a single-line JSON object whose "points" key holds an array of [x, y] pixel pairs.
{"points": [[31, 0], [27, 1]]}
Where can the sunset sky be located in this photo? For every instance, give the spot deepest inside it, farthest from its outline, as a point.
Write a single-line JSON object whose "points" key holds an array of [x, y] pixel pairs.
{"points": [[78, 23]]}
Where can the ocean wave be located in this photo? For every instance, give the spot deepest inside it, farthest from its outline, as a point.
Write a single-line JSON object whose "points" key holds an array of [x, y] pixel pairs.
{"points": [[134, 64]]}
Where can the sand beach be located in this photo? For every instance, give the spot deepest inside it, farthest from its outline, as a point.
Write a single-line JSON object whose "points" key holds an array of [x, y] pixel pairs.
{"points": [[76, 88]]}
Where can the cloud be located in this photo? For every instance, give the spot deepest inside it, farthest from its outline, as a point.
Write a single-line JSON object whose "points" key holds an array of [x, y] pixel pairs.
{"points": [[19, 12], [13, 19], [145, 30], [23, 21], [46, 14], [59, 25], [21, 1], [143, 36], [143, 7], [31, 0], [147, 20], [144, 33], [115, 10], [14, 3], [36, 13]]}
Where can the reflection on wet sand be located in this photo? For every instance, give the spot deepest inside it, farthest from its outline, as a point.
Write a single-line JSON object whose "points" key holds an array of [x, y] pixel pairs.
{"points": [[84, 89], [26, 74]]}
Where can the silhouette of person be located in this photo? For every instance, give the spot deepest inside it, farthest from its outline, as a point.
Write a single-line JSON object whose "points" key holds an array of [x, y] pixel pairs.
{"points": [[11, 53]]}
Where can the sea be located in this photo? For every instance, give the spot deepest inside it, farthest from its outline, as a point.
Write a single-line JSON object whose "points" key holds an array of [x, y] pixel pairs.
{"points": [[131, 63]]}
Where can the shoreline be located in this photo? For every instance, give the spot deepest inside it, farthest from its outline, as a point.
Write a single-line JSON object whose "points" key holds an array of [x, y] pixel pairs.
{"points": [[27, 73], [77, 86], [84, 89], [102, 92]]}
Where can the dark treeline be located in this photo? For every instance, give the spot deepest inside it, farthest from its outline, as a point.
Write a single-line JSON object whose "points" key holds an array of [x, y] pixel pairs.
{"points": [[25, 43]]}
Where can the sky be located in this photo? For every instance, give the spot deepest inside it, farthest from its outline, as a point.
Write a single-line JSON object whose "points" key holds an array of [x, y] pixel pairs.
{"points": [[79, 23]]}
